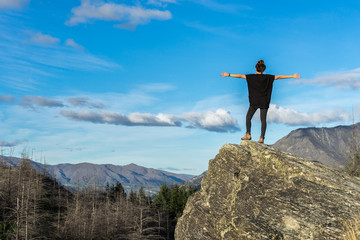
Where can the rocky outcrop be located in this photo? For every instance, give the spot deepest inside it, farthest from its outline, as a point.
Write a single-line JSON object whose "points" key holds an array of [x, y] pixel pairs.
{"points": [[252, 191]]}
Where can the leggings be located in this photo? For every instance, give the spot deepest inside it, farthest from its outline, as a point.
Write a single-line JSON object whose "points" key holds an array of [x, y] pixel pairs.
{"points": [[250, 114]]}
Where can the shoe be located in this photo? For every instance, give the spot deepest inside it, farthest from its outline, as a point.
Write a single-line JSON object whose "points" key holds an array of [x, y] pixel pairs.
{"points": [[261, 140], [246, 137]]}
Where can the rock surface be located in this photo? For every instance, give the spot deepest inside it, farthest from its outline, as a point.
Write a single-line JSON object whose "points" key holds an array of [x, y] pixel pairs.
{"points": [[252, 191]]}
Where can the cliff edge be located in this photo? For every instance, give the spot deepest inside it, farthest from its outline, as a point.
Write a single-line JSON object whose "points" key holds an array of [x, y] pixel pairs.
{"points": [[252, 191]]}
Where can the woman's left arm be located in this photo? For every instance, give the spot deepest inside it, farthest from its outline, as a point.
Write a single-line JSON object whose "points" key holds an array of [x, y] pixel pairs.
{"points": [[297, 76], [225, 74]]}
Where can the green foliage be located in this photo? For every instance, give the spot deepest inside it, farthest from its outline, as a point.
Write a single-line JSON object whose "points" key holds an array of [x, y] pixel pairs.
{"points": [[174, 198], [162, 198], [7, 229], [353, 166], [115, 191]]}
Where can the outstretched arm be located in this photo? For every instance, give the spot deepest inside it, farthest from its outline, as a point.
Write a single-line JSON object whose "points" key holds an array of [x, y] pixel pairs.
{"points": [[297, 76], [225, 74]]}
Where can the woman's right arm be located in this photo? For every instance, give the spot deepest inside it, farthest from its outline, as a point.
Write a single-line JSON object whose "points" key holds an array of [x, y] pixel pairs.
{"points": [[297, 76], [225, 74]]}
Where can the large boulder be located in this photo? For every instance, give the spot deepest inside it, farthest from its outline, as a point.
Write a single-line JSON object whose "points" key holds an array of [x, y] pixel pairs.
{"points": [[252, 191]]}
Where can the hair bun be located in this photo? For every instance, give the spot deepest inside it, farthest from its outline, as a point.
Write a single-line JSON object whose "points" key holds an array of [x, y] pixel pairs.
{"points": [[260, 66]]}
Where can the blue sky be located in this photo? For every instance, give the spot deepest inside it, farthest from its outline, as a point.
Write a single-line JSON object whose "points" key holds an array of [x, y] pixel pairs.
{"points": [[139, 81]]}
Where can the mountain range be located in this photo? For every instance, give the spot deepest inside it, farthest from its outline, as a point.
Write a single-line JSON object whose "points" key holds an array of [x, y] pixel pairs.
{"points": [[330, 146], [131, 176]]}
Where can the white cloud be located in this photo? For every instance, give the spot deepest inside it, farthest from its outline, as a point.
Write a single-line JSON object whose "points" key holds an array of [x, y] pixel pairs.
{"points": [[219, 121], [160, 3], [7, 99], [44, 39], [12, 4], [343, 79], [70, 42], [278, 114], [32, 101], [128, 16], [26, 67], [9, 144], [134, 119], [84, 102]]}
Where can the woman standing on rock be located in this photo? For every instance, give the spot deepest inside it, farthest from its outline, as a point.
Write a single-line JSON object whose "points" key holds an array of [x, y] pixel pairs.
{"points": [[260, 87]]}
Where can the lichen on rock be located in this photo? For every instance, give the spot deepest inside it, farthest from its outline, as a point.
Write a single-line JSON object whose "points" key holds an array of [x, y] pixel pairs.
{"points": [[252, 191]]}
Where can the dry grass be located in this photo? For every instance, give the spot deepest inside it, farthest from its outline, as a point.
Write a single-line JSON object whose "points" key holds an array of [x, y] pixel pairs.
{"points": [[352, 228]]}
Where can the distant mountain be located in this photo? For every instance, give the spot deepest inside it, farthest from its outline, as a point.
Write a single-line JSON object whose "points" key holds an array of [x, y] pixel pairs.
{"points": [[330, 146], [131, 176], [196, 181]]}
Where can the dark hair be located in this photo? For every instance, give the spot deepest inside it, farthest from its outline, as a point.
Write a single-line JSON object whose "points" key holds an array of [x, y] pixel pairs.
{"points": [[260, 66]]}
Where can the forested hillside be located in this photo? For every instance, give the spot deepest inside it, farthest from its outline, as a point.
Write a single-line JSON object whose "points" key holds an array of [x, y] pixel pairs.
{"points": [[33, 205]]}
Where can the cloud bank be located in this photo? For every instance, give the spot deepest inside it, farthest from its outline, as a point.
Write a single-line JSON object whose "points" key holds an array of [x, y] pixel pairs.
{"points": [[278, 114], [134, 119], [219, 121], [342, 80], [127, 16], [214, 121]]}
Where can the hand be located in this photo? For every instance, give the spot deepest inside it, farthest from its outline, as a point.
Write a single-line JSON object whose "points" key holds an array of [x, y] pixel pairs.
{"points": [[297, 76], [224, 74]]}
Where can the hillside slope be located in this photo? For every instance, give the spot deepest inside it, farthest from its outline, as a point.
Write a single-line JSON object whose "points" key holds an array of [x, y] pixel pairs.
{"points": [[131, 176], [330, 146]]}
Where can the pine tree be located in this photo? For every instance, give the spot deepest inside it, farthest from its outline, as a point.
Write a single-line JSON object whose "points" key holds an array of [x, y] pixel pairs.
{"points": [[162, 198], [141, 196], [133, 197]]}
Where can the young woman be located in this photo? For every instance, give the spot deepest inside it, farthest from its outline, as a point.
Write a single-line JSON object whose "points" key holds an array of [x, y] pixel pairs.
{"points": [[260, 87]]}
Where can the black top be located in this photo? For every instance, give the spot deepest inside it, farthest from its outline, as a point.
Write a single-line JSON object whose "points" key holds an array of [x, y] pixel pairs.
{"points": [[260, 88]]}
